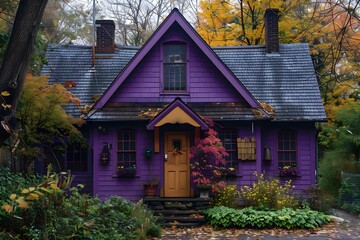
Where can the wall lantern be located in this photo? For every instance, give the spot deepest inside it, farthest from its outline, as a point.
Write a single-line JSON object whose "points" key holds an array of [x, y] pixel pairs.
{"points": [[267, 153], [148, 153], [105, 154]]}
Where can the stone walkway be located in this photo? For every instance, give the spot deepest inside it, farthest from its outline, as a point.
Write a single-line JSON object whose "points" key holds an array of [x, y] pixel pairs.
{"points": [[347, 229]]}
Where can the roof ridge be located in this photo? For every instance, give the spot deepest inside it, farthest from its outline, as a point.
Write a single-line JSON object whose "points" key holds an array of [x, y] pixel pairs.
{"points": [[258, 46]]}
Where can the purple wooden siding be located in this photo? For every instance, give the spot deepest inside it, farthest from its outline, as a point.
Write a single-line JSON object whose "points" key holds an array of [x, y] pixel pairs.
{"points": [[105, 184], [205, 82], [305, 152]]}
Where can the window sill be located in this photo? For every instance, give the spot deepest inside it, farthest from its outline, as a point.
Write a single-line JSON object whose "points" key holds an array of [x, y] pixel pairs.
{"points": [[289, 176], [233, 178], [175, 94], [125, 177]]}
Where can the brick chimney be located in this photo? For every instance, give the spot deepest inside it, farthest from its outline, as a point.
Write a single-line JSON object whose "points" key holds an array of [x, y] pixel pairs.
{"points": [[272, 30], [105, 36]]}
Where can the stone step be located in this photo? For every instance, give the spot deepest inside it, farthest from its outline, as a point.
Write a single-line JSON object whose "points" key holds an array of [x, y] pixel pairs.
{"points": [[160, 199], [179, 212], [198, 219], [181, 225]]}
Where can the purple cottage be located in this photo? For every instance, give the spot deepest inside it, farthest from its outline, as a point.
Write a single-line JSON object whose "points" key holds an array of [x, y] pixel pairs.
{"points": [[147, 106]]}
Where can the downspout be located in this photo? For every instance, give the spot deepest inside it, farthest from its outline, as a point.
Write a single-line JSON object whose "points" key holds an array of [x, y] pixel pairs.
{"points": [[318, 130]]}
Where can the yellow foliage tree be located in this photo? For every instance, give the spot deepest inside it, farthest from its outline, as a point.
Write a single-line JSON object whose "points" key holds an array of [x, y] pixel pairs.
{"points": [[42, 119], [241, 22]]}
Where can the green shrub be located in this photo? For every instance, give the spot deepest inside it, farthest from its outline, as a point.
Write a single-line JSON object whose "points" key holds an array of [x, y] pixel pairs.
{"points": [[12, 182], [317, 199], [225, 217], [227, 197], [145, 221], [268, 194], [50, 210], [348, 197], [330, 167]]}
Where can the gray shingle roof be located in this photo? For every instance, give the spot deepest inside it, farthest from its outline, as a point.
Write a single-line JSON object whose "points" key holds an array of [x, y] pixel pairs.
{"points": [[131, 111], [286, 81], [74, 62]]}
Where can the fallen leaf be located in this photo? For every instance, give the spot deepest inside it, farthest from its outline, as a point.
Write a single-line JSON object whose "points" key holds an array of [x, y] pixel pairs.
{"points": [[5, 93]]}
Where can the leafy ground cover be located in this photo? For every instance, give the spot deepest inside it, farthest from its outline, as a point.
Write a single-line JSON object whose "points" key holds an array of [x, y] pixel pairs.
{"points": [[225, 217]]}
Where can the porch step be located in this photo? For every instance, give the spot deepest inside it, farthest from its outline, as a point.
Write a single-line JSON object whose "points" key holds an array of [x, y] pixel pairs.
{"points": [[179, 212]]}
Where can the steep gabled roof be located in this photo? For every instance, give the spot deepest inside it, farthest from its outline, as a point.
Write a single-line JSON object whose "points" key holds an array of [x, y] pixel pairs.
{"points": [[286, 81], [176, 16]]}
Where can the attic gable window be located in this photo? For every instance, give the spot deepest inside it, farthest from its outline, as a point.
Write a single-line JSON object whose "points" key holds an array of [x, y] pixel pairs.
{"points": [[174, 67]]}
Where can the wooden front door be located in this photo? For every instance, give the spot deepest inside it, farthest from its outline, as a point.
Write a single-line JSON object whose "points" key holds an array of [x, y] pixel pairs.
{"points": [[177, 165]]}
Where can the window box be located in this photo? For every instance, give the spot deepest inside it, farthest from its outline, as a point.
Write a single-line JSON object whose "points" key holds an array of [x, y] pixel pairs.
{"points": [[230, 173], [288, 171], [126, 172]]}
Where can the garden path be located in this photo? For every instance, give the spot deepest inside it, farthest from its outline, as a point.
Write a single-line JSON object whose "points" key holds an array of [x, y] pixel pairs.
{"points": [[348, 229]]}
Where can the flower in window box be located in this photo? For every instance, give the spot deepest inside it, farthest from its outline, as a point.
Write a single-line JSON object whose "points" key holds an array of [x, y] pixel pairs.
{"points": [[123, 171], [230, 173], [288, 171]]}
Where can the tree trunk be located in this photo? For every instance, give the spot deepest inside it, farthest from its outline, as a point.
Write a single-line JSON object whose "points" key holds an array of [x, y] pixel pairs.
{"points": [[16, 59]]}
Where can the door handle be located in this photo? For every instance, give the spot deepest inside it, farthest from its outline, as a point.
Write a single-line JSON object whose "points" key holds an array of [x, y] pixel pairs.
{"points": [[165, 157]]}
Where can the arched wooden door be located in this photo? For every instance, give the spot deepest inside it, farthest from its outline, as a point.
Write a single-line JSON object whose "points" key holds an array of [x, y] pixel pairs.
{"points": [[177, 165]]}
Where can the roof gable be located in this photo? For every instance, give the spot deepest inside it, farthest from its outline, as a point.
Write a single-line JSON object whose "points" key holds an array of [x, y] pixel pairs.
{"points": [[177, 112], [176, 17]]}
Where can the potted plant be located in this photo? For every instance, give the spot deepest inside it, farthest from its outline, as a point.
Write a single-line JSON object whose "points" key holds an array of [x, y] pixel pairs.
{"points": [[207, 163], [151, 188]]}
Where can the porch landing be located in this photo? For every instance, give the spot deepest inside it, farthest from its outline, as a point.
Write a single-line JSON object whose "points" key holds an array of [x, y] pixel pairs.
{"points": [[179, 212]]}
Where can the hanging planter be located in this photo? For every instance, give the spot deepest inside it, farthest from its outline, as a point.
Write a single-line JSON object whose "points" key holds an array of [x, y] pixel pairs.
{"points": [[105, 155], [148, 153]]}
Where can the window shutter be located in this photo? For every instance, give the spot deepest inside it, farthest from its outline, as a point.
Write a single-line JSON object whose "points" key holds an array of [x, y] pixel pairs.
{"points": [[246, 148]]}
